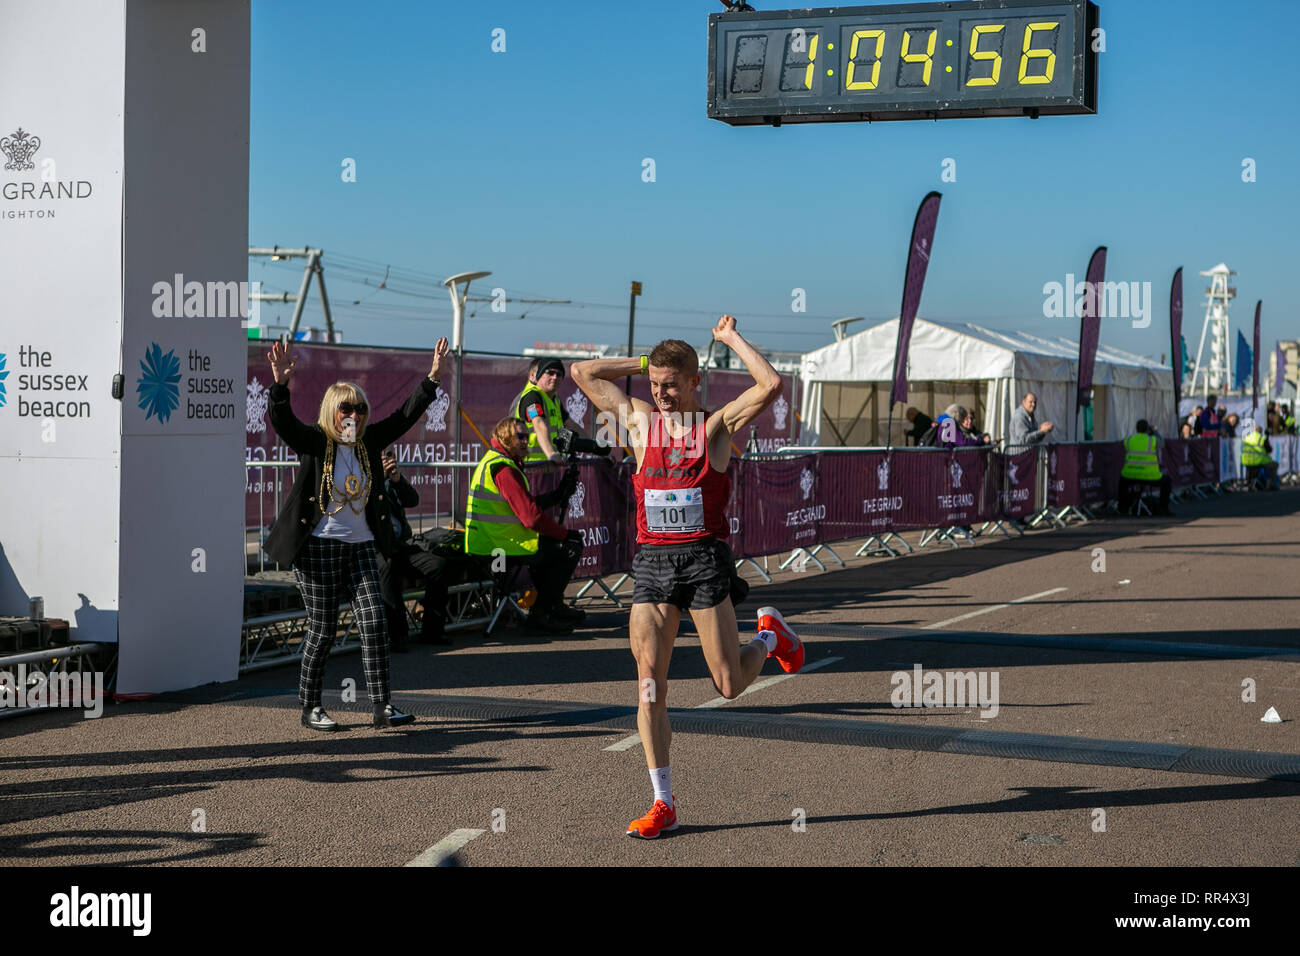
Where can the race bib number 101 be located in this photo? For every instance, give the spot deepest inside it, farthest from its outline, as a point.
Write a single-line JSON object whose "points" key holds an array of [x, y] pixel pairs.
{"points": [[674, 510]]}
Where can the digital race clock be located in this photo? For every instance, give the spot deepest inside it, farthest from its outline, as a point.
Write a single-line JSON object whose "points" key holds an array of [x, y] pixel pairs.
{"points": [[906, 61]]}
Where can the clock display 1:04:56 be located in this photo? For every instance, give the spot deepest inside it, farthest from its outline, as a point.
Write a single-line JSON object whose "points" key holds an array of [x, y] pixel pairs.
{"points": [[1037, 63]]}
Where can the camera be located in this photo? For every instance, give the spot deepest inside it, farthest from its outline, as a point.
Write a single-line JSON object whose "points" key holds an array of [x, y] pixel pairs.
{"points": [[568, 443]]}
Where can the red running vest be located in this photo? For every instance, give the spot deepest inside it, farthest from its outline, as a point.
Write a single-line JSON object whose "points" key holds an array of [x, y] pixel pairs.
{"points": [[679, 497]]}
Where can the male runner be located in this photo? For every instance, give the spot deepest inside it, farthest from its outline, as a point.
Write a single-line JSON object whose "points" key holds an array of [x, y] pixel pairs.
{"points": [[683, 564]]}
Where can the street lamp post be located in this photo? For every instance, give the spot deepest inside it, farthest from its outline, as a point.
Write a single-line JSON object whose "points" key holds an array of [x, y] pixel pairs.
{"points": [[458, 287]]}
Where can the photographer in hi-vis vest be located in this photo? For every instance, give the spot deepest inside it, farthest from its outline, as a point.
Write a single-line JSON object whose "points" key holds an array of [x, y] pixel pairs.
{"points": [[539, 405], [503, 517]]}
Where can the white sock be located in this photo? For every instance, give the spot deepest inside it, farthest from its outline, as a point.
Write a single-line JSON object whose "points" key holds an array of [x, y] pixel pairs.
{"points": [[767, 639], [661, 778]]}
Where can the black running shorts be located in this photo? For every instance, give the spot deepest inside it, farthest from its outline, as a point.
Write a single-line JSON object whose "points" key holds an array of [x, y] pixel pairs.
{"points": [[692, 576]]}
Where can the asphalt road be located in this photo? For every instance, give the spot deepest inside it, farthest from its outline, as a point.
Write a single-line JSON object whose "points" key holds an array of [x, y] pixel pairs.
{"points": [[1120, 735]]}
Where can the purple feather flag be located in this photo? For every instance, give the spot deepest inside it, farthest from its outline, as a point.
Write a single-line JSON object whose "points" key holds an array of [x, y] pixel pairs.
{"points": [[1254, 378], [1090, 325], [1176, 333], [1279, 380], [918, 258]]}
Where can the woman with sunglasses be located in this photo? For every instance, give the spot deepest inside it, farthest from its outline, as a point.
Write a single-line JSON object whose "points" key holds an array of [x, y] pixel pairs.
{"points": [[334, 521]]}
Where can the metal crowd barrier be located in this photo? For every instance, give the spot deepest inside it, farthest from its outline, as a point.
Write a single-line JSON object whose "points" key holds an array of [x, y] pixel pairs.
{"points": [[269, 640], [436, 482]]}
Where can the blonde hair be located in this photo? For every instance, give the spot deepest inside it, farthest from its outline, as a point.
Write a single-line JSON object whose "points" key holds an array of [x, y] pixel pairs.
{"points": [[335, 395], [504, 430]]}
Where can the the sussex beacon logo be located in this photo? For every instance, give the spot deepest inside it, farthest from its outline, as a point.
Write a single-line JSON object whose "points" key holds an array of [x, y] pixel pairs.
{"points": [[3, 375], [18, 148], [158, 384]]}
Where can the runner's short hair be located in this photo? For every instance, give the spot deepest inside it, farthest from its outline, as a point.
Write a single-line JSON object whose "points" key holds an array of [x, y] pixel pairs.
{"points": [[677, 355]]}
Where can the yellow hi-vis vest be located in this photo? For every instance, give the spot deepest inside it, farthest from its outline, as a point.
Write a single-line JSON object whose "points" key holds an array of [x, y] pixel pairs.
{"points": [[489, 522], [1140, 462], [554, 420], [1252, 450]]}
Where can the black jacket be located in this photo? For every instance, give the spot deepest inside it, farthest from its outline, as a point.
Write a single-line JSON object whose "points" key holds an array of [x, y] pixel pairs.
{"points": [[400, 497], [301, 512]]}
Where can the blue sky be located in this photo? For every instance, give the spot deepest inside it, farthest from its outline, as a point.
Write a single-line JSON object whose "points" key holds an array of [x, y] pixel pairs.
{"points": [[529, 163]]}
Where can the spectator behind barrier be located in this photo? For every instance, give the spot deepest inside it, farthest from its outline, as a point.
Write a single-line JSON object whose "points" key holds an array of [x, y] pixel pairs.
{"points": [[1228, 427], [968, 429], [1209, 419], [948, 430], [921, 424], [1025, 429]]}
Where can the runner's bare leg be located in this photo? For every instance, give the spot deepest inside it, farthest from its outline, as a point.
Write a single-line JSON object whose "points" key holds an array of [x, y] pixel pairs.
{"points": [[653, 628], [732, 667]]}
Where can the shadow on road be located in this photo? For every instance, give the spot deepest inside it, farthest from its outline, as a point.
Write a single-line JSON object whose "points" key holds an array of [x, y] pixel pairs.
{"points": [[1037, 799]]}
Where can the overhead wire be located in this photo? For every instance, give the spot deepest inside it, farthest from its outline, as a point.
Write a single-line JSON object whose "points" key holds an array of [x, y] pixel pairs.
{"points": [[346, 269]]}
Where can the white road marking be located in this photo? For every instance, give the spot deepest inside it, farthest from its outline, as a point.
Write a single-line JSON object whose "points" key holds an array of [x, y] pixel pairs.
{"points": [[445, 847], [627, 743], [988, 610]]}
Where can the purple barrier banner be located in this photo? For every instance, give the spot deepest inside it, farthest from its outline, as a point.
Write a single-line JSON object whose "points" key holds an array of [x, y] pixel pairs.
{"points": [[779, 505], [1017, 483], [736, 538], [599, 511], [1190, 461], [859, 500], [783, 504], [941, 488], [1086, 474]]}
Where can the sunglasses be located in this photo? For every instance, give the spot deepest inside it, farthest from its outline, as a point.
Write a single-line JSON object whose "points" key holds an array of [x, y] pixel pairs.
{"points": [[347, 408], [523, 436]]}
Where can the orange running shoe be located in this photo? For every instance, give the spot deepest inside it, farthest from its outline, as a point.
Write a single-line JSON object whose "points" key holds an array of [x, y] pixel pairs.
{"points": [[661, 817], [789, 649]]}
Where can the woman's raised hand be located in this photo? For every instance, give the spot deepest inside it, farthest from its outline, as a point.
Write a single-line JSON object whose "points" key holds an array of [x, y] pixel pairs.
{"points": [[439, 352], [282, 364]]}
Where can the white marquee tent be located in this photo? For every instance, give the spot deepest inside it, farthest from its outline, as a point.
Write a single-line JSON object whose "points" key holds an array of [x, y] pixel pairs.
{"points": [[846, 384]]}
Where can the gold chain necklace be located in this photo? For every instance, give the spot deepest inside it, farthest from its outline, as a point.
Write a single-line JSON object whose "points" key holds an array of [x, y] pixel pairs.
{"points": [[354, 489]]}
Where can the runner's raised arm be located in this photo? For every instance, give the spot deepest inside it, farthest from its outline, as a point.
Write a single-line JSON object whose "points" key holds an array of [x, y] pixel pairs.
{"points": [[743, 409], [596, 378]]}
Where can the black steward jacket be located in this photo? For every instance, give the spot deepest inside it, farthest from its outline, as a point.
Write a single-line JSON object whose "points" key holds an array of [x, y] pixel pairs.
{"points": [[301, 512]]}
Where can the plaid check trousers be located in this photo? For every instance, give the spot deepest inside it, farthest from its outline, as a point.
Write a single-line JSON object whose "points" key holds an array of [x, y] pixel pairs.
{"points": [[328, 571]]}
